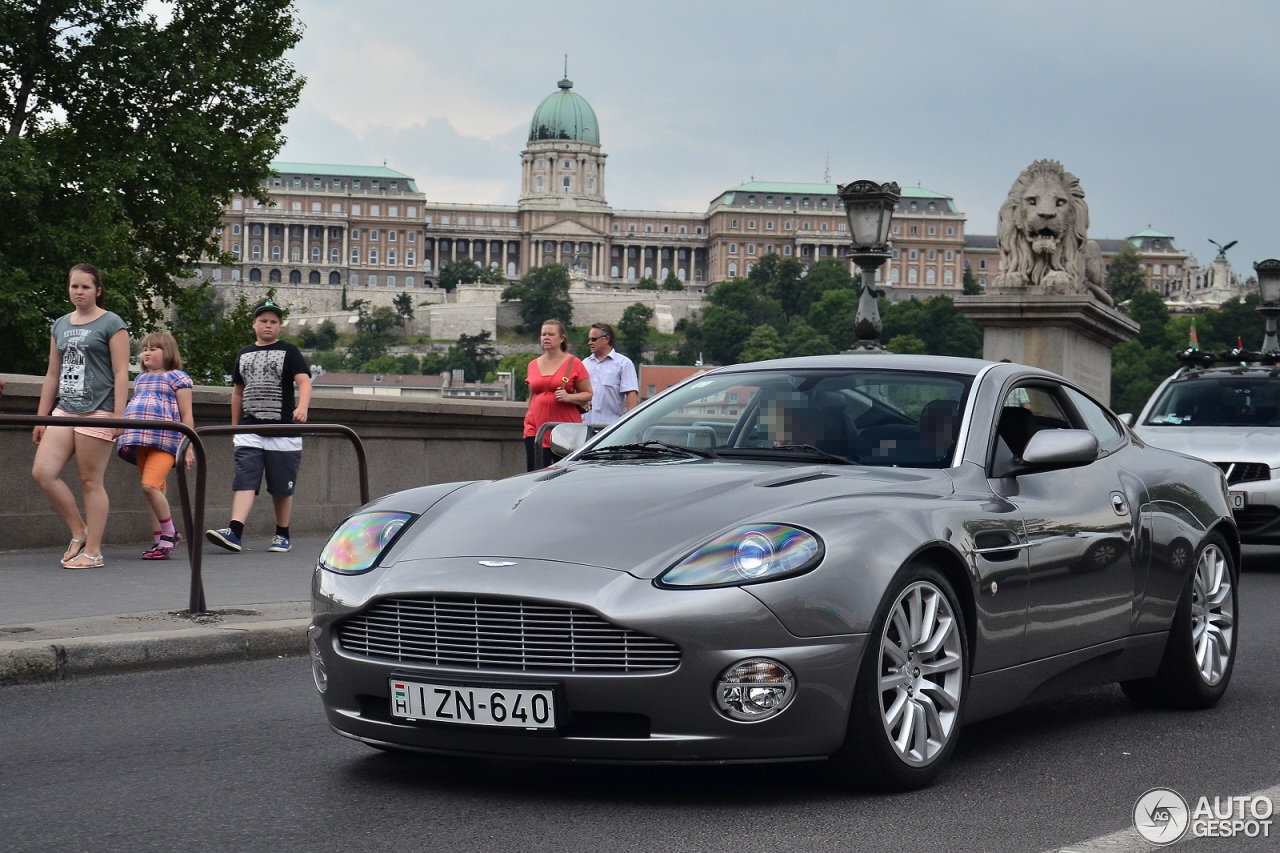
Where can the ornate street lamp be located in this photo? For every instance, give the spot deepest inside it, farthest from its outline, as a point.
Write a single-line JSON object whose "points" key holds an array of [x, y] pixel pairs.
{"points": [[869, 208], [1269, 301]]}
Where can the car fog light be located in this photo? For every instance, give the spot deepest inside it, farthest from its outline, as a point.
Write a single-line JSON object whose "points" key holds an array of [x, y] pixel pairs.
{"points": [[754, 690], [318, 672]]}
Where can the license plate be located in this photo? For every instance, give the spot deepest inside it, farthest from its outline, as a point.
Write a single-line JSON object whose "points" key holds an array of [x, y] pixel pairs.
{"points": [[506, 707], [1239, 499]]}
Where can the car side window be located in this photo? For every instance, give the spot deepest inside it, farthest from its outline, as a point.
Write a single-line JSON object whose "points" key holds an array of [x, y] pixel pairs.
{"points": [[1027, 409], [1098, 421]]}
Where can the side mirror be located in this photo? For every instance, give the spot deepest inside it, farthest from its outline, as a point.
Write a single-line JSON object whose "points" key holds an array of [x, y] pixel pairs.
{"points": [[1127, 419], [1060, 448], [566, 438]]}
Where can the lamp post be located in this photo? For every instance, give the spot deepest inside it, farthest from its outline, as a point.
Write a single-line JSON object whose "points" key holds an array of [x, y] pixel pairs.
{"points": [[869, 208], [1269, 300]]}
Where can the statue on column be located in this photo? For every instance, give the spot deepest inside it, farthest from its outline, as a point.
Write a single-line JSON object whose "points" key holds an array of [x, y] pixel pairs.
{"points": [[1042, 233]]}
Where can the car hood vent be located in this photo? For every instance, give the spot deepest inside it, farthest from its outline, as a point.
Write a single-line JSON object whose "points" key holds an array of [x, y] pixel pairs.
{"points": [[791, 481]]}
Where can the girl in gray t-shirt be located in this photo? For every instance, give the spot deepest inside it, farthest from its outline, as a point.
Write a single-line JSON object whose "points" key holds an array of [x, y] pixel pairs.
{"points": [[88, 376]]}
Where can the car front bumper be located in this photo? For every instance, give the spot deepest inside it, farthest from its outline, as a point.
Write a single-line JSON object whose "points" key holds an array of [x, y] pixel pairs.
{"points": [[661, 716]]}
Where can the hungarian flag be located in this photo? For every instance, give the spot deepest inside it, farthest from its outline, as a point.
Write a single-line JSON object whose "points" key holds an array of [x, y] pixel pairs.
{"points": [[1195, 342]]}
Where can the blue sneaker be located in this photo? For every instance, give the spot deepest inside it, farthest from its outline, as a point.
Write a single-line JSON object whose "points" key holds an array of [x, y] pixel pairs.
{"points": [[224, 538], [279, 544]]}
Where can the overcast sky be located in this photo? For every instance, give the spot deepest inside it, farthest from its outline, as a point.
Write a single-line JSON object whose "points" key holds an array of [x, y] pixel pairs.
{"points": [[1166, 111]]}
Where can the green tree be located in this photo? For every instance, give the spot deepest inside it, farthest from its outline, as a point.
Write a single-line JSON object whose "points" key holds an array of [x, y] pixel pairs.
{"points": [[403, 305], [121, 138], [724, 333], [330, 361], [433, 363], [783, 280], [382, 364], [373, 338], [763, 343], [474, 355], [326, 335], [745, 297], [543, 295], [646, 283], [210, 333], [803, 339], [672, 281], [834, 314], [633, 331], [1125, 275], [936, 321], [666, 355], [971, 285], [517, 364], [907, 345], [467, 271]]}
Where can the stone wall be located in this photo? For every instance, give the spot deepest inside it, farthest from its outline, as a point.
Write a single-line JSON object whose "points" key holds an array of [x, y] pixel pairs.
{"points": [[470, 310], [408, 443]]}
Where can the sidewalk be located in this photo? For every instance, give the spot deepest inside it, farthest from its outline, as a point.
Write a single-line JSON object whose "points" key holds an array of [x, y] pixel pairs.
{"points": [[57, 623]]}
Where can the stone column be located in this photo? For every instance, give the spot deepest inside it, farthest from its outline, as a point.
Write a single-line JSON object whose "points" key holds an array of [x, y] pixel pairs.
{"points": [[1071, 335]]}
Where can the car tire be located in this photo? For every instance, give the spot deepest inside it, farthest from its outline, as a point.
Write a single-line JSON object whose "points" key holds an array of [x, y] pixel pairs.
{"points": [[908, 701], [1201, 651]]}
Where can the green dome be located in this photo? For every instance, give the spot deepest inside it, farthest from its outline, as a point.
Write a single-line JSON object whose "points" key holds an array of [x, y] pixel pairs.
{"points": [[564, 115]]}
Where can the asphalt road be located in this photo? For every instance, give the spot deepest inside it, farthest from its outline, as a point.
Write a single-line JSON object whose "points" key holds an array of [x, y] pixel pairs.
{"points": [[238, 757]]}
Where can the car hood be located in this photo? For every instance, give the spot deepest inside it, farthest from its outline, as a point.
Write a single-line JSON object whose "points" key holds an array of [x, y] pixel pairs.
{"points": [[1218, 444], [638, 518]]}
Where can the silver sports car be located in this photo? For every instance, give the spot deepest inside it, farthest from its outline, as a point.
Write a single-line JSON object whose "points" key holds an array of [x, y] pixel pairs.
{"points": [[841, 558]]}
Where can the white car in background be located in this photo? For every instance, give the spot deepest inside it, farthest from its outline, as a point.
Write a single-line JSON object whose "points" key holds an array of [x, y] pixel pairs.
{"points": [[1228, 415]]}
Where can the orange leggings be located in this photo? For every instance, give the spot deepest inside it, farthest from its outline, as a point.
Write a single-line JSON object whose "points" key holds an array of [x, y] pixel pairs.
{"points": [[154, 465]]}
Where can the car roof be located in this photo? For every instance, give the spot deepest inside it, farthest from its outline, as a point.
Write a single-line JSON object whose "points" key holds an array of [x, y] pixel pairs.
{"points": [[885, 361]]}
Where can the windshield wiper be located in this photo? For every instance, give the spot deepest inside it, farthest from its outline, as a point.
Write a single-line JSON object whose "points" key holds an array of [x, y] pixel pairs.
{"points": [[806, 449], [647, 449]]}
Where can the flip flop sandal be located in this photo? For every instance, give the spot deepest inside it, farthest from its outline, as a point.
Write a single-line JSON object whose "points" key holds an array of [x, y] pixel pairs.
{"points": [[84, 561], [157, 553], [77, 545]]}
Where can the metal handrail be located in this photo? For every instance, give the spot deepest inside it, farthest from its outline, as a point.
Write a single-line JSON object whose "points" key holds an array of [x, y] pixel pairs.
{"points": [[195, 544], [193, 520], [193, 510]]}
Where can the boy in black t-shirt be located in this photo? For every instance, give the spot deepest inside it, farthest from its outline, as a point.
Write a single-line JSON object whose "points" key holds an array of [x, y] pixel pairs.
{"points": [[263, 380]]}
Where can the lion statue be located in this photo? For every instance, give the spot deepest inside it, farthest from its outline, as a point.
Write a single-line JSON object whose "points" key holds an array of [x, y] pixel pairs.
{"points": [[1042, 235]]}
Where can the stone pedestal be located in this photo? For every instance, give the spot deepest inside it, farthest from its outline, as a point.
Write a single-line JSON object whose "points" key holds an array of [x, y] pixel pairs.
{"points": [[1071, 335]]}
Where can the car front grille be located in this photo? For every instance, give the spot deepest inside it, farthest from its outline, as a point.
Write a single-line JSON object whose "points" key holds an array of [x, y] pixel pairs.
{"points": [[1244, 472], [501, 635]]}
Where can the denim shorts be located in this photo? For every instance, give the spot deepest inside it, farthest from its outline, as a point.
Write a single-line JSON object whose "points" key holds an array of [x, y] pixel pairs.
{"points": [[280, 466]]}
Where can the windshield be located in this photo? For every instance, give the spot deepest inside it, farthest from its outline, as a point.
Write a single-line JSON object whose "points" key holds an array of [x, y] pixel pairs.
{"points": [[874, 417], [1225, 400]]}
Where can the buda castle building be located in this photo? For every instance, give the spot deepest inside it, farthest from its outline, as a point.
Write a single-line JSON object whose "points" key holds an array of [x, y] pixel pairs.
{"points": [[372, 231]]}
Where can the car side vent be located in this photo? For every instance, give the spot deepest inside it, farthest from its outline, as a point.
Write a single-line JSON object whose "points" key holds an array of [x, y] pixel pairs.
{"points": [[1245, 472], [791, 481]]}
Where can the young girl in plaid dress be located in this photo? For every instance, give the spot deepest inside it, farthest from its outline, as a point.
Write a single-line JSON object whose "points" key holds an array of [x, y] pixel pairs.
{"points": [[161, 392]]}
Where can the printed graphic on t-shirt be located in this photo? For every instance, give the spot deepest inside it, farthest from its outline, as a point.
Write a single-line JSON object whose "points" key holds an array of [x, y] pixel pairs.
{"points": [[263, 373], [71, 384]]}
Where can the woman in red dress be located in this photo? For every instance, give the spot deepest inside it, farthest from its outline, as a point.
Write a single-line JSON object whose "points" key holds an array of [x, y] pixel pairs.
{"points": [[558, 385]]}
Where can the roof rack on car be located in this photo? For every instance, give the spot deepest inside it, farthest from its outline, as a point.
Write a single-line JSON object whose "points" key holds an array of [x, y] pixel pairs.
{"points": [[1192, 357]]}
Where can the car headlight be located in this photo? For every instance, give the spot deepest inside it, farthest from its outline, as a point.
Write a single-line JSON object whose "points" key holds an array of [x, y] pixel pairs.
{"points": [[747, 554], [360, 541]]}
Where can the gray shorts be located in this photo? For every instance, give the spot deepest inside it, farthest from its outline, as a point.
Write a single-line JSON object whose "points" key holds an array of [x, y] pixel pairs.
{"points": [[280, 466]]}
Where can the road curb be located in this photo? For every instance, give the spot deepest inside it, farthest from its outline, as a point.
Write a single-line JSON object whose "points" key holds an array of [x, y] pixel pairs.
{"points": [[33, 662]]}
